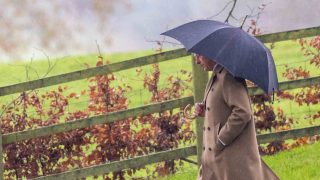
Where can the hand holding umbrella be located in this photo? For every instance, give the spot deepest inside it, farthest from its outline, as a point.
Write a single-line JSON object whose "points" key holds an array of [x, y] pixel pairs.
{"points": [[198, 111]]}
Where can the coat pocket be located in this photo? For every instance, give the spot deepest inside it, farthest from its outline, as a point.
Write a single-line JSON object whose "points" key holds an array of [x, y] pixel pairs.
{"points": [[218, 146], [217, 128]]}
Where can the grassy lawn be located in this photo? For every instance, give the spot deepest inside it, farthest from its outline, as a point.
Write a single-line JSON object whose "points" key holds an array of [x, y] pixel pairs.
{"points": [[301, 163]]}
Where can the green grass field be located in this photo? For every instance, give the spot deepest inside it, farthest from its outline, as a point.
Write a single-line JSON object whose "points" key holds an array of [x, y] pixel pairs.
{"points": [[287, 52], [301, 163]]}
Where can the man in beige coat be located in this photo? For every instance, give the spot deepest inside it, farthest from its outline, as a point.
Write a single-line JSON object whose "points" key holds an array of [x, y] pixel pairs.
{"points": [[230, 149]]}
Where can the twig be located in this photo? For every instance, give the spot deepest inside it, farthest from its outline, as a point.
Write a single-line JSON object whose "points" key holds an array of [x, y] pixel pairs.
{"points": [[257, 15], [163, 41], [243, 21], [160, 42], [50, 68], [100, 56], [24, 66], [27, 68], [31, 68], [230, 12], [210, 17], [12, 101], [233, 17], [81, 65]]}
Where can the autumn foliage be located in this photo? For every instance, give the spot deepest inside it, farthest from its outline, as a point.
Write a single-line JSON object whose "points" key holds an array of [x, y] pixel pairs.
{"points": [[103, 143], [270, 119]]}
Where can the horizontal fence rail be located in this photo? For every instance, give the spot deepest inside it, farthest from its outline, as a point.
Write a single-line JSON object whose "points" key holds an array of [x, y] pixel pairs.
{"points": [[143, 110], [94, 71], [124, 164], [288, 134], [180, 153], [146, 60], [289, 35], [95, 120], [288, 85]]}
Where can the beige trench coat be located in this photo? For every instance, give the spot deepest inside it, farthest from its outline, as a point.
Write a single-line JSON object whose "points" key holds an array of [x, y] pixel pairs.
{"points": [[229, 120]]}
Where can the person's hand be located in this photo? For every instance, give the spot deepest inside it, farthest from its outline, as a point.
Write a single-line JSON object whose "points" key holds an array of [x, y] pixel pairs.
{"points": [[218, 146], [199, 109]]}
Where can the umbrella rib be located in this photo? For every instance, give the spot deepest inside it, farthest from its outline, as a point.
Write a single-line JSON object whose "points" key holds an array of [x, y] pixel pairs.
{"points": [[222, 27], [269, 63], [225, 44]]}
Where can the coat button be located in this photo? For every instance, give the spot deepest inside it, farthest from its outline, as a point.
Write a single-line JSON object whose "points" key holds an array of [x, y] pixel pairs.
{"points": [[208, 128], [210, 149], [208, 108], [203, 148]]}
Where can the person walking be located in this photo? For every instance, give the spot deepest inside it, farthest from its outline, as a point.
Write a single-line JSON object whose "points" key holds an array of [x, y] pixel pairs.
{"points": [[230, 148]]}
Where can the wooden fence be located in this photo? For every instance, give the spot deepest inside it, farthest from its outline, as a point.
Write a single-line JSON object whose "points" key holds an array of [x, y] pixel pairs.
{"points": [[180, 153]]}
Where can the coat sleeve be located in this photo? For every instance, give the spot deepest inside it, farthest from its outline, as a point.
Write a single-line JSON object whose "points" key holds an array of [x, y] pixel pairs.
{"points": [[236, 97]]}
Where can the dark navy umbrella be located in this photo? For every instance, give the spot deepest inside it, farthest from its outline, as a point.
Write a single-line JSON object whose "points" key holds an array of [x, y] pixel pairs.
{"points": [[240, 53]]}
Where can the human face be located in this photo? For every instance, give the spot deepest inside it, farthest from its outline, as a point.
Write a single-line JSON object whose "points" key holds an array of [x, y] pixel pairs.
{"points": [[206, 63]]}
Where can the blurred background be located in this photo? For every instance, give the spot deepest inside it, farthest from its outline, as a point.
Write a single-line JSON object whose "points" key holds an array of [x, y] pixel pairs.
{"points": [[30, 28]]}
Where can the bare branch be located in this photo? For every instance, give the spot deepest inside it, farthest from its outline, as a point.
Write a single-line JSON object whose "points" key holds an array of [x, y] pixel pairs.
{"points": [[81, 65], [13, 101], [257, 15], [261, 9], [243, 21], [100, 56], [231, 11], [233, 17], [26, 68], [164, 41], [210, 17], [50, 67]]}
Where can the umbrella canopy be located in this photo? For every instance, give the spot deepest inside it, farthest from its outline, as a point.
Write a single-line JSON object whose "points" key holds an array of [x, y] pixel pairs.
{"points": [[240, 53]]}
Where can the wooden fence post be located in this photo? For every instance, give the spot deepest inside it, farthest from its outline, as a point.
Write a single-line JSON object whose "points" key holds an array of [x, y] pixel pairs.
{"points": [[200, 78], [1, 158]]}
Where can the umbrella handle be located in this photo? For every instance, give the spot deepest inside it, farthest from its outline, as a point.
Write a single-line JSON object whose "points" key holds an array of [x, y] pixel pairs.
{"points": [[186, 113]]}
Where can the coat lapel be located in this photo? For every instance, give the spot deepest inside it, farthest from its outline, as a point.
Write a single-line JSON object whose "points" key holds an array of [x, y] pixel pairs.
{"points": [[216, 70], [209, 84]]}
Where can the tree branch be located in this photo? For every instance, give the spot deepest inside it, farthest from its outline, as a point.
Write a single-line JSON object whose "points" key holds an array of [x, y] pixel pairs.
{"points": [[230, 12], [210, 17]]}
